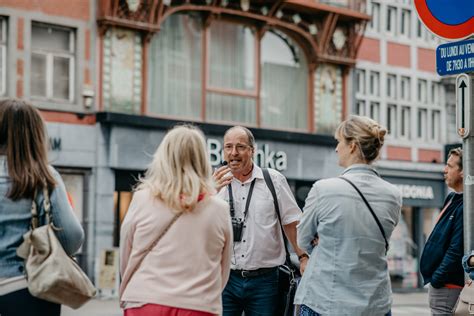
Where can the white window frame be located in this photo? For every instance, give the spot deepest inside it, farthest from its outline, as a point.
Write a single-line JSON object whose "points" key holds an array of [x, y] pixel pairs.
{"points": [[422, 91], [405, 88], [405, 115], [405, 23], [360, 107], [374, 111], [422, 123], [375, 13], [50, 64], [374, 83], [391, 86], [391, 17], [3, 48], [435, 93], [360, 81], [435, 125], [392, 115]]}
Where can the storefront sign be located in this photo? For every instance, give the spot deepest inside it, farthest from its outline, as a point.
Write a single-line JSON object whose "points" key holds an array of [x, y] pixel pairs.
{"points": [[264, 156], [416, 191], [419, 192]]}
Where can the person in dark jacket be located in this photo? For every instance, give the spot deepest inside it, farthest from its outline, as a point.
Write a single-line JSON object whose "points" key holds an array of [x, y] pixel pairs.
{"points": [[440, 262]]}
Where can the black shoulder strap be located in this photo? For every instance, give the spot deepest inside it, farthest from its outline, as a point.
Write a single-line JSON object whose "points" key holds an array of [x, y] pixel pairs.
{"points": [[271, 187], [371, 211]]}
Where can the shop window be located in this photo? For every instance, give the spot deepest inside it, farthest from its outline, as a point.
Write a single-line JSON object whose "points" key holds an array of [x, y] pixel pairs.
{"points": [[392, 119], [52, 62], [175, 68], [374, 83], [3, 56], [391, 86], [405, 88], [405, 122], [284, 75], [422, 122]]}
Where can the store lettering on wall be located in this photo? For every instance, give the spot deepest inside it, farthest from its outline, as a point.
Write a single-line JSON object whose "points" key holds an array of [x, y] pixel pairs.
{"points": [[416, 191], [55, 143], [264, 156]]}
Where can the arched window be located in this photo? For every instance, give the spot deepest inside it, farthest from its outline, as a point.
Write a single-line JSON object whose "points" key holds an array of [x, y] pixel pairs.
{"points": [[175, 68], [213, 75], [284, 88]]}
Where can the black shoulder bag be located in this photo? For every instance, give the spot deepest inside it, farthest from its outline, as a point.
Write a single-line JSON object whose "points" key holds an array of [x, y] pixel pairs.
{"points": [[288, 274], [371, 211]]}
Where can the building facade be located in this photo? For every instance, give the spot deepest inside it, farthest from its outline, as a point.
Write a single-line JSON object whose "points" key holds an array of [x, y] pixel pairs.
{"points": [[111, 76], [395, 82]]}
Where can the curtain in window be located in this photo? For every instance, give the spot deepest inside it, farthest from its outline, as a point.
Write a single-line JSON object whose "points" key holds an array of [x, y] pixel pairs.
{"points": [[284, 95], [231, 66], [175, 68]]}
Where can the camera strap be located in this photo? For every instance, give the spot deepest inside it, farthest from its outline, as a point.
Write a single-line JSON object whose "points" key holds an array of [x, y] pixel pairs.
{"points": [[231, 199]]}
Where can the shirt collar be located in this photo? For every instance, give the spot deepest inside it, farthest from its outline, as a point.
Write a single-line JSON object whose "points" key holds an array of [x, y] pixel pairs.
{"points": [[256, 174], [360, 168]]}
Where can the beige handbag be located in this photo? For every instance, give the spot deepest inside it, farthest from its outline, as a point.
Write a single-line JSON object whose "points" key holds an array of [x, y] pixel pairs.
{"points": [[465, 303], [52, 275]]}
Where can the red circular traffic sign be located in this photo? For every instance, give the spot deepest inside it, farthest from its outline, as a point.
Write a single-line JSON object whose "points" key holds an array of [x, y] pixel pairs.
{"points": [[442, 23]]}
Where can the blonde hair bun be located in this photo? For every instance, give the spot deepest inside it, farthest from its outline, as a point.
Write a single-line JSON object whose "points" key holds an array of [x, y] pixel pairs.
{"points": [[366, 133]]}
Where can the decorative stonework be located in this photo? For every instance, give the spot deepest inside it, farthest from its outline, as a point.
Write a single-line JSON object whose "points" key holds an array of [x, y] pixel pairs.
{"points": [[122, 71], [327, 98], [339, 39]]}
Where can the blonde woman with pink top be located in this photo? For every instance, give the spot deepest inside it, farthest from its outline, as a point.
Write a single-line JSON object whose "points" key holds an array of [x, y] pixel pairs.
{"points": [[175, 239]]}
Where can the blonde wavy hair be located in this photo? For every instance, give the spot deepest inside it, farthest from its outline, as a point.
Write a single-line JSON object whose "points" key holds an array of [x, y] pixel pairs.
{"points": [[180, 170], [366, 133]]}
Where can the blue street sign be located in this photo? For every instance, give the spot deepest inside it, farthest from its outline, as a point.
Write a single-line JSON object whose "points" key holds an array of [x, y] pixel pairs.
{"points": [[455, 58]]}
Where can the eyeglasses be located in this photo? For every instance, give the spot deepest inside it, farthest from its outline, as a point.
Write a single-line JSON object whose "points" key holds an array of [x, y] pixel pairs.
{"points": [[239, 147]]}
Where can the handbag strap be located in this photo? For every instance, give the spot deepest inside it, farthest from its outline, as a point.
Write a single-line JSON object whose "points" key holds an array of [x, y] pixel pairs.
{"points": [[370, 209], [271, 187], [147, 251], [46, 207]]}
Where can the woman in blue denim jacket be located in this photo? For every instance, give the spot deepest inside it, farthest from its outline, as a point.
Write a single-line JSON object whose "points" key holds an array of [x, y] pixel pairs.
{"points": [[24, 170]]}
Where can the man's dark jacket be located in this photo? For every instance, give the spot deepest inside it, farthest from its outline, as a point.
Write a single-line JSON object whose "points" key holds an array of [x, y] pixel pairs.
{"points": [[441, 259]]}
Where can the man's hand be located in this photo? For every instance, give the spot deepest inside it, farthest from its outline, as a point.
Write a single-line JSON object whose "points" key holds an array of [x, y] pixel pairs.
{"points": [[303, 263], [222, 177]]}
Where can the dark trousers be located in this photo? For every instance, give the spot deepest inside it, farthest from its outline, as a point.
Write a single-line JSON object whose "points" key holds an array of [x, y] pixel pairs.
{"points": [[306, 311], [254, 296], [22, 303]]}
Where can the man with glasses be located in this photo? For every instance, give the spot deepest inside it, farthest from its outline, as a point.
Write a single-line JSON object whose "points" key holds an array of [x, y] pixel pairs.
{"points": [[258, 247]]}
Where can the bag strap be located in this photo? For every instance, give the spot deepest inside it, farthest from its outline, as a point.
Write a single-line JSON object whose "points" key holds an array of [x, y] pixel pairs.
{"points": [[370, 209], [271, 187], [46, 207], [147, 251]]}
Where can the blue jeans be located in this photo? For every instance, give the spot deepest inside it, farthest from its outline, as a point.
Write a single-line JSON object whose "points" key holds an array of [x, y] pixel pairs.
{"points": [[256, 296], [306, 311]]}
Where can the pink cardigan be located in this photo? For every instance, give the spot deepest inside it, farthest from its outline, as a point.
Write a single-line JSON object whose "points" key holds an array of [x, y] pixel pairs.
{"points": [[190, 265]]}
